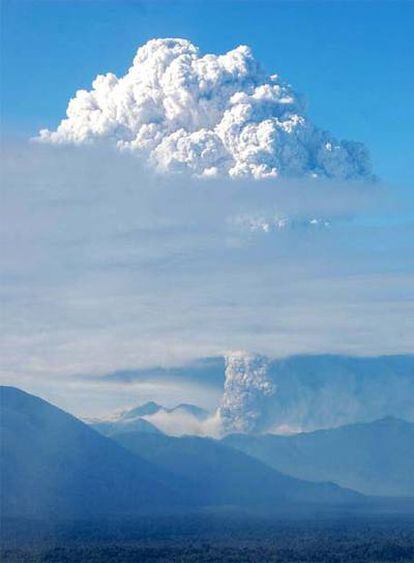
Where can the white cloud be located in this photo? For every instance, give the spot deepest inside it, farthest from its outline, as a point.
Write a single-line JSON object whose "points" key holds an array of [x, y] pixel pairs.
{"points": [[209, 115], [178, 423]]}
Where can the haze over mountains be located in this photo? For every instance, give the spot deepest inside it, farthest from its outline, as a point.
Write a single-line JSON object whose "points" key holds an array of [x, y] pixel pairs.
{"points": [[153, 418], [53, 465], [297, 393], [375, 458], [225, 476], [107, 428]]}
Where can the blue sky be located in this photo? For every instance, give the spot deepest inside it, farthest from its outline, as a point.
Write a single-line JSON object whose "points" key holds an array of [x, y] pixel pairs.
{"points": [[351, 60]]}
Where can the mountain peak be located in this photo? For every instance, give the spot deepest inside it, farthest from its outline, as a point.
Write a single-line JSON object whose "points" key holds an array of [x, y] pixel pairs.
{"points": [[145, 409]]}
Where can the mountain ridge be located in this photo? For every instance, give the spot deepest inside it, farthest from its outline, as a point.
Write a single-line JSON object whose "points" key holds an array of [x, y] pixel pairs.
{"points": [[375, 458], [55, 466], [223, 475]]}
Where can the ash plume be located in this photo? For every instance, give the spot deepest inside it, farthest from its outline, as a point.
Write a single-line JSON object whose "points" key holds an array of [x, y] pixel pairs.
{"points": [[211, 115]]}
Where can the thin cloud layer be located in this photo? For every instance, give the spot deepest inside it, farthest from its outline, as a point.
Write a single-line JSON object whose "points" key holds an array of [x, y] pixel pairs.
{"points": [[107, 266], [208, 115]]}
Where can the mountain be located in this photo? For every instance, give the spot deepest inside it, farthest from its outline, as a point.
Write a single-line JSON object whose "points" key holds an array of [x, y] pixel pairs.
{"points": [[151, 408], [374, 458], [53, 465], [224, 476], [107, 428], [143, 410], [153, 418], [300, 393], [56, 467]]}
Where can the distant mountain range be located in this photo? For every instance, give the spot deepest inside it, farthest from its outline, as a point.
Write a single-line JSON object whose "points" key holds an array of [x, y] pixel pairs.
{"points": [[374, 458], [151, 408], [53, 465], [302, 392], [154, 418]]}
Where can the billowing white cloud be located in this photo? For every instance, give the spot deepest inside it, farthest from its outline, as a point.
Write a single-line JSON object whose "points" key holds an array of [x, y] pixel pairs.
{"points": [[209, 115]]}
